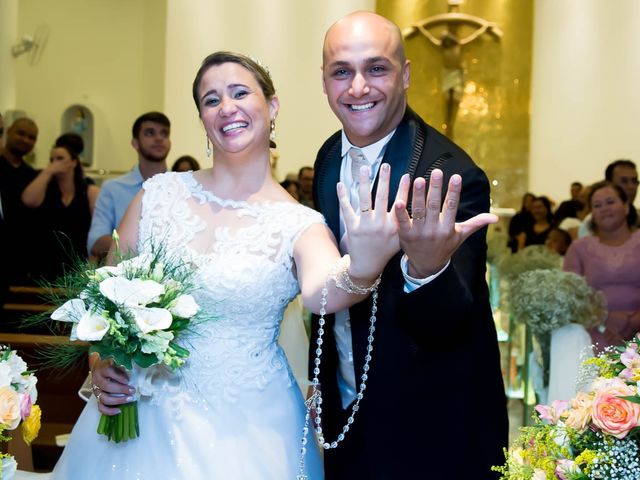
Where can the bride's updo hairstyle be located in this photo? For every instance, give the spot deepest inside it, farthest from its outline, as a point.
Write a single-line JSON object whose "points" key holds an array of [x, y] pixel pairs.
{"points": [[260, 73]]}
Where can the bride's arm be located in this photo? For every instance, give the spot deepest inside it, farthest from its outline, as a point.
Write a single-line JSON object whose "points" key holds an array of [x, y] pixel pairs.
{"points": [[128, 230], [372, 238]]}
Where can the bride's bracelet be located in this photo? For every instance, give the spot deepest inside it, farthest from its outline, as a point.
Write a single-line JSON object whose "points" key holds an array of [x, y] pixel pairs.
{"points": [[340, 275]]}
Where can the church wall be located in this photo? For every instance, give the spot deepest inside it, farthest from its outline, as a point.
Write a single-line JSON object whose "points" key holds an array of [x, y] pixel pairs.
{"points": [[585, 97], [492, 122], [286, 36], [108, 56]]}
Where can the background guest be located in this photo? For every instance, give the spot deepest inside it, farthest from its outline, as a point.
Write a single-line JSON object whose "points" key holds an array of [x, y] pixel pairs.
{"points": [[19, 223], [292, 187], [305, 181], [536, 233], [185, 163], [150, 138], [520, 221], [558, 241], [610, 262], [65, 202]]}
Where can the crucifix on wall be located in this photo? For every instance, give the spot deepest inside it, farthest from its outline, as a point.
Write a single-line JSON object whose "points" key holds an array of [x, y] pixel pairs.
{"points": [[450, 32]]}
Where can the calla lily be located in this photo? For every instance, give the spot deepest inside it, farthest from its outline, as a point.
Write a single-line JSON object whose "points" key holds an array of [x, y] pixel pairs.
{"points": [[184, 306], [92, 327], [70, 311], [150, 319], [131, 293]]}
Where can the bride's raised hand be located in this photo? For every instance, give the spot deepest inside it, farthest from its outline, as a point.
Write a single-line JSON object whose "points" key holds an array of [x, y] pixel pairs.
{"points": [[372, 233]]}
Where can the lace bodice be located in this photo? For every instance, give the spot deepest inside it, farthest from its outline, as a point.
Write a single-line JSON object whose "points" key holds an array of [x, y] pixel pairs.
{"points": [[243, 256]]}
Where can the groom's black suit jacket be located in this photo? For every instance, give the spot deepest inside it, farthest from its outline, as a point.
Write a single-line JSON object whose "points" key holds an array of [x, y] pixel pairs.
{"points": [[434, 407]]}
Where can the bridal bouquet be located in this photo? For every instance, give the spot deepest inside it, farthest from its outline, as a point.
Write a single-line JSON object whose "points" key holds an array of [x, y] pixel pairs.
{"points": [[18, 407], [133, 313], [595, 435]]}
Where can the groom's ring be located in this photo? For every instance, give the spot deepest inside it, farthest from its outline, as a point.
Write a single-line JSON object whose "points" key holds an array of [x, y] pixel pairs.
{"points": [[364, 210], [418, 217]]}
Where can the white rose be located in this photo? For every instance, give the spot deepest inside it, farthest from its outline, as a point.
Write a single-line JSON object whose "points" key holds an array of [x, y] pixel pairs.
{"points": [[70, 311], [9, 467], [139, 262], [17, 365], [6, 375], [150, 319], [184, 306], [131, 293], [107, 271], [92, 327]]}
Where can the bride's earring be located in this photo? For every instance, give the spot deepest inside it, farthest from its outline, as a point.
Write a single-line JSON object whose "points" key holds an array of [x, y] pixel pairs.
{"points": [[208, 147], [272, 134]]}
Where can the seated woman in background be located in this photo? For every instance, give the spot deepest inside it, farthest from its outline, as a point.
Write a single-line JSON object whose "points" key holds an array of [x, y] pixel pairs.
{"points": [[610, 262], [520, 221], [536, 233], [185, 163], [558, 241], [66, 202]]}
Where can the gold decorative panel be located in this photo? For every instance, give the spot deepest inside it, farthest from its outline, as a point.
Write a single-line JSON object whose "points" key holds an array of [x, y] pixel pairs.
{"points": [[473, 64]]}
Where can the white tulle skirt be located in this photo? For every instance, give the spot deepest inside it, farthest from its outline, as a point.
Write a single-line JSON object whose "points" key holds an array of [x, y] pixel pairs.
{"points": [[257, 437]]}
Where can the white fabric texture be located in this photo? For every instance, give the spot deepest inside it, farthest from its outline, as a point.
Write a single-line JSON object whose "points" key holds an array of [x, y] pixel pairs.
{"points": [[570, 345], [234, 411]]}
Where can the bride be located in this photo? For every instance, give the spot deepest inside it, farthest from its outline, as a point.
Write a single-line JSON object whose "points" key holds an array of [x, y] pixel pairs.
{"points": [[234, 410]]}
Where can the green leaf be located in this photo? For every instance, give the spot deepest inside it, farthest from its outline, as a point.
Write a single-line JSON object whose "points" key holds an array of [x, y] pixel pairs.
{"points": [[180, 351], [145, 360], [632, 399]]}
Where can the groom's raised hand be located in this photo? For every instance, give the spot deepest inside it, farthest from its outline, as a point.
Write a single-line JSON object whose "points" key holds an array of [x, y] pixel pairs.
{"points": [[431, 235]]}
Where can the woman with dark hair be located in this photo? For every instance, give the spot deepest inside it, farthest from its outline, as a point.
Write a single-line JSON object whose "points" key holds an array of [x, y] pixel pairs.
{"points": [[292, 187], [536, 232], [520, 221], [610, 261], [185, 163], [65, 202]]}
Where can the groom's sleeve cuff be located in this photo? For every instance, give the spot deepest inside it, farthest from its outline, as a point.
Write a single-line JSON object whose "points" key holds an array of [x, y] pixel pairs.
{"points": [[411, 283]]}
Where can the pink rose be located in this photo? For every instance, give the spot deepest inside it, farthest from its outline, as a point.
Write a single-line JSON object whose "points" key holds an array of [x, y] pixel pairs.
{"points": [[612, 414], [551, 413], [9, 408], [579, 415], [630, 359], [25, 405]]}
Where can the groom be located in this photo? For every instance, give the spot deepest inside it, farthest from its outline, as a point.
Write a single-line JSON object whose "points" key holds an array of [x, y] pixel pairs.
{"points": [[434, 406]]}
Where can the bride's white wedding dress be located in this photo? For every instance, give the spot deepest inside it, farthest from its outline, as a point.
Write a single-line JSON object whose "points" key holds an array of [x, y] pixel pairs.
{"points": [[234, 411]]}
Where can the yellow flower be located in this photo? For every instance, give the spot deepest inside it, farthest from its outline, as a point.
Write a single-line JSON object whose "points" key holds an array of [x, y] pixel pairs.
{"points": [[31, 425]]}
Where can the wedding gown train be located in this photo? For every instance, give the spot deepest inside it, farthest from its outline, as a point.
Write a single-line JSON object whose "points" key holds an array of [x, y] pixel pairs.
{"points": [[234, 412]]}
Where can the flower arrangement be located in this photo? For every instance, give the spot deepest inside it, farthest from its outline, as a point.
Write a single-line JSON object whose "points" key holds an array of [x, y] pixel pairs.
{"points": [[134, 313], [548, 299], [18, 396], [595, 435]]}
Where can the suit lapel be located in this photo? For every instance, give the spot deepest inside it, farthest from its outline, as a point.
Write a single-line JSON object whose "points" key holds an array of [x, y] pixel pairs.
{"points": [[328, 177]]}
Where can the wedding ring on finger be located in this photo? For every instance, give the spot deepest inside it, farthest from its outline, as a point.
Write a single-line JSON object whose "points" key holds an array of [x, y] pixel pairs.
{"points": [[98, 395], [365, 210], [96, 389], [419, 217]]}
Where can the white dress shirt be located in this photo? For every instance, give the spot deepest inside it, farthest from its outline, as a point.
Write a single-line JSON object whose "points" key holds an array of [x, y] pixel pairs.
{"points": [[342, 327]]}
